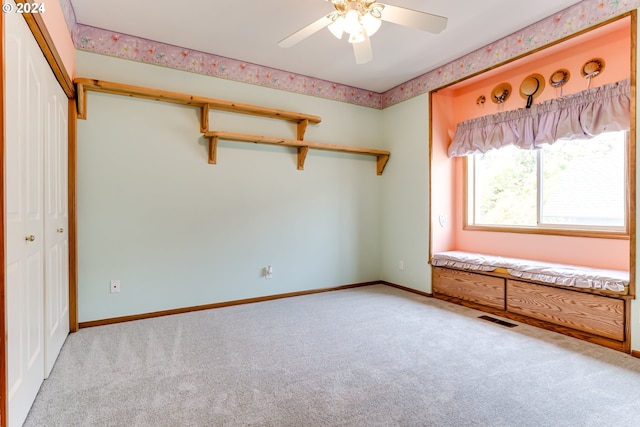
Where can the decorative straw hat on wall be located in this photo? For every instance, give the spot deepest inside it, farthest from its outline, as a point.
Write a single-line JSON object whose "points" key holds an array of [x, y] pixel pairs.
{"points": [[501, 93], [531, 87]]}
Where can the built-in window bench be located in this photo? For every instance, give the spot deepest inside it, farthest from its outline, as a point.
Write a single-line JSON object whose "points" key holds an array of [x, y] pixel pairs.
{"points": [[586, 303]]}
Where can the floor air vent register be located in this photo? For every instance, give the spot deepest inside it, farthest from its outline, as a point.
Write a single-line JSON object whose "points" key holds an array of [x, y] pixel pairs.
{"points": [[498, 321]]}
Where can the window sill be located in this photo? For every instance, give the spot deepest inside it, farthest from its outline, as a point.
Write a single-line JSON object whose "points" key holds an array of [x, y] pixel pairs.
{"points": [[597, 234]]}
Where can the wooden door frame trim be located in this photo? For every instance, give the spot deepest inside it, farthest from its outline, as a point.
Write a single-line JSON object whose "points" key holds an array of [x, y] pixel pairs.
{"points": [[72, 223], [3, 347], [632, 164]]}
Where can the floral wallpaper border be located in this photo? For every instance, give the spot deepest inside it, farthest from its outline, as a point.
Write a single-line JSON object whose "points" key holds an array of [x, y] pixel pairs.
{"points": [[569, 21], [138, 49]]}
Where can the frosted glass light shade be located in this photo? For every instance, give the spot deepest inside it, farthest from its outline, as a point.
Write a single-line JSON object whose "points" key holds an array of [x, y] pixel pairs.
{"points": [[370, 24], [352, 22], [337, 27]]}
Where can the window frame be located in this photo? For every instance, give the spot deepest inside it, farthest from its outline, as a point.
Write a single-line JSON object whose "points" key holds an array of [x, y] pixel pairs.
{"points": [[548, 229]]}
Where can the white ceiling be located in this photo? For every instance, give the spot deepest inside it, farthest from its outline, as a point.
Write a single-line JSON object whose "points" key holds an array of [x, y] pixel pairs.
{"points": [[249, 30]]}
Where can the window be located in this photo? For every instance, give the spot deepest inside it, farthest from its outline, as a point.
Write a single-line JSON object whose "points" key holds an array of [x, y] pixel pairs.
{"points": [[569, 185]]}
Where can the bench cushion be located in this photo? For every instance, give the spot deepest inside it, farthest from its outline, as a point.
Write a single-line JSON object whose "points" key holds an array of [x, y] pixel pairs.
{"points": [[545, 272]]}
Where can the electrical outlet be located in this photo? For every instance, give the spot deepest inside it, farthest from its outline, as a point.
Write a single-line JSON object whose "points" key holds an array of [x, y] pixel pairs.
{"points": [[114, 286], [268, 272], [401, 265]]}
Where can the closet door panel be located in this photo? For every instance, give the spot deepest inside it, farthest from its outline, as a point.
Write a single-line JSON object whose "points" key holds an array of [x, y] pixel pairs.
{"points": [[55, 225]]}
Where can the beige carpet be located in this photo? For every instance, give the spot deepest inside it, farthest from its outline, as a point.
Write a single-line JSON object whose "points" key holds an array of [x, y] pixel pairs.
{"points": [[372, 356]]}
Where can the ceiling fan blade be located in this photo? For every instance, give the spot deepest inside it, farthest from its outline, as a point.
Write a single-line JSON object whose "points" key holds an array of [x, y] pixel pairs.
{"points": [[363, 51], [414, 19], [302, 34]]}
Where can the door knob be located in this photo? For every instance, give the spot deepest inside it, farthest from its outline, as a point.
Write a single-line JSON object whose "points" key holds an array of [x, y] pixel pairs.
{"points": [[30, 238], [60, 230]]}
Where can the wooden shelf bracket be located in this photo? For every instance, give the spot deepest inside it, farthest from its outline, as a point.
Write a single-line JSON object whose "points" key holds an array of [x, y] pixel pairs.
{"points": [[81, 102], [302, 156], [204, 118], [213, 150], [302, 128]]}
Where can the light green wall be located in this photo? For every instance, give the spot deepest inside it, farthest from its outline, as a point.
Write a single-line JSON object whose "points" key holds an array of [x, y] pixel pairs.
{"points": [[405, 195], [179, 232]]}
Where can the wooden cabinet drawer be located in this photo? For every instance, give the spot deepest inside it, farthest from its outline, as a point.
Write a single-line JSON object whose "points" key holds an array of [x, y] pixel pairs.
{"points": [[478, 288], [582, 311]]}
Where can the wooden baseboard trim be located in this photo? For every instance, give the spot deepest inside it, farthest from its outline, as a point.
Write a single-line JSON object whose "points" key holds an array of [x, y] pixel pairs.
{"points": [[122, 319], [585, 336], [635, 353], [404, 288]]}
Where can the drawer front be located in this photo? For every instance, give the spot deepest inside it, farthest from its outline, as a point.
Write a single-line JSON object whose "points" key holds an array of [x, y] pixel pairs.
{"points": [[478, 288], [582, 311]]}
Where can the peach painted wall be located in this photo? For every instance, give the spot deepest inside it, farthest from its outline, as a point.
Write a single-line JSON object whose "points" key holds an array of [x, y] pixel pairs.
{"points": [[57, 27], [443, 174], [611, 43]]}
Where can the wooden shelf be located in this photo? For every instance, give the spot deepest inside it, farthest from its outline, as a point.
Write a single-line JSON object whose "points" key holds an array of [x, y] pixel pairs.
{"points": [[302, 146], [84, 85]]}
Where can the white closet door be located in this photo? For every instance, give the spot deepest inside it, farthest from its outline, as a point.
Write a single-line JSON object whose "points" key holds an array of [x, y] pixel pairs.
{"points": [[56, 276], [24, 217], [36, 217]]}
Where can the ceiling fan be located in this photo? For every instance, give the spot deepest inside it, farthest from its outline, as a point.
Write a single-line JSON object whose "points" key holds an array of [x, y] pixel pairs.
{"points": [[360, 19]]}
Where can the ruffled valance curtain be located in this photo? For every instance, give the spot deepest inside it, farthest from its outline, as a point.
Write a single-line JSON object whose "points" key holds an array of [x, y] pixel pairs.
{"points": [[579, 116]]}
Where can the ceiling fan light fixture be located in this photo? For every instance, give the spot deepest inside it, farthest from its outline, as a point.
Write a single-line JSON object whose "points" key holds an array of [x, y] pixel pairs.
{"points": [[361, 19]]}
